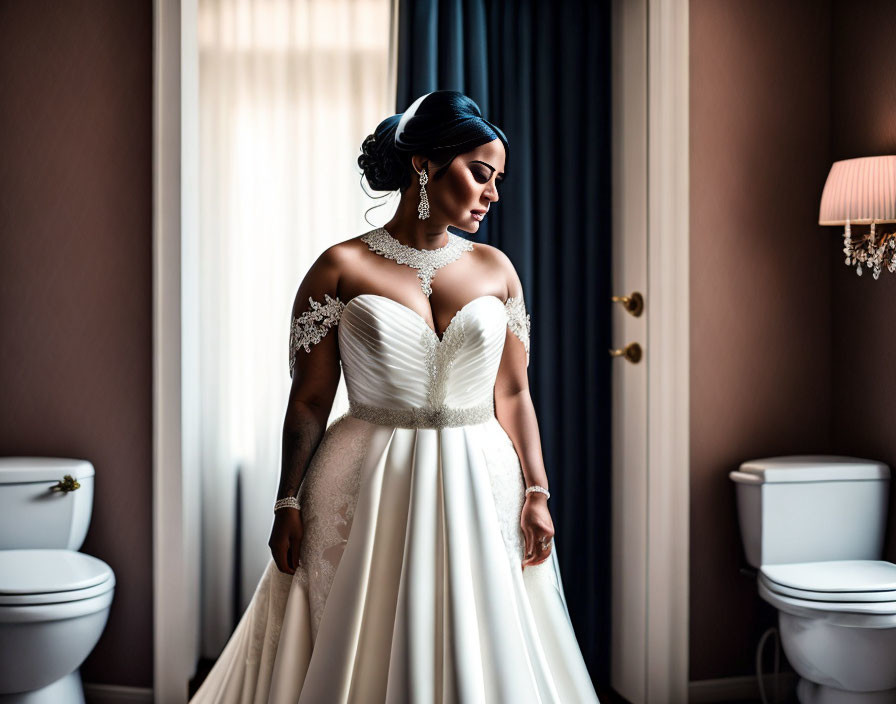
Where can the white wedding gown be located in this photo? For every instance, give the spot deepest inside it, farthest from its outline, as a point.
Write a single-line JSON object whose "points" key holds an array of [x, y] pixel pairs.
{"points": [[411, 587]]}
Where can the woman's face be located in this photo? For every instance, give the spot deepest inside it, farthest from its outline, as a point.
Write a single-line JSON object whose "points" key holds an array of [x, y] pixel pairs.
{"points": [[463, 195]]}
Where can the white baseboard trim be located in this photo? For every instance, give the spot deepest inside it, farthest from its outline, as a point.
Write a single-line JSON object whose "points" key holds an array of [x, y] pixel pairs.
{"points": [[739, 688], [116, 694]]}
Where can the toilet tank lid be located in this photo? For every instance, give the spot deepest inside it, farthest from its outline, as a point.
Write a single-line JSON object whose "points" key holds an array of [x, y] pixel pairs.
{"points": [[23, 470], [809, 468]]}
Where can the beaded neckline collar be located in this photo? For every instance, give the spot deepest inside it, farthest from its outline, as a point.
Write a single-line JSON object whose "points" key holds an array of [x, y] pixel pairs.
{"points": [[426, 261]]}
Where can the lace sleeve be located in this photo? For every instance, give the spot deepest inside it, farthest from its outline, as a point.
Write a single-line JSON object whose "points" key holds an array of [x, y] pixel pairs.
{"points": [[518, 321], [311, 326]]}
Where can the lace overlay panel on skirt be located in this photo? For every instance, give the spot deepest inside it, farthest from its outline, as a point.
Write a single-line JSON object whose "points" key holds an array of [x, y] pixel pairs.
{"points": [[328, 495], [508, 488], [265, 631]]}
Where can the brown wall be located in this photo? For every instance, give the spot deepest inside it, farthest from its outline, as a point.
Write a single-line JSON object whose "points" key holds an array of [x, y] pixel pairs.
{"points": [[790, 351], [75, 279]]}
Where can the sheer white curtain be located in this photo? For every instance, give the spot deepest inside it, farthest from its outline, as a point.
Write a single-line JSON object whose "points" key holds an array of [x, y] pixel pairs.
{"points": [[288, 91]]}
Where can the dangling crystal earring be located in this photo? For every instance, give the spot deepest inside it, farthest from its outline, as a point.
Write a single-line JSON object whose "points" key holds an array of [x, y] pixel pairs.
{"points": [[423, 207]]}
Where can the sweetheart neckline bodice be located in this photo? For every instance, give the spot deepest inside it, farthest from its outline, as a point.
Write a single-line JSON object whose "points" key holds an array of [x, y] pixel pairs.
{"points": [[311, 325], [420, 317]]}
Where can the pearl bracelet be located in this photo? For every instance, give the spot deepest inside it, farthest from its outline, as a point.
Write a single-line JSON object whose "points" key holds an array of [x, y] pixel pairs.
{"points": [[287, 502], [540, 489]]}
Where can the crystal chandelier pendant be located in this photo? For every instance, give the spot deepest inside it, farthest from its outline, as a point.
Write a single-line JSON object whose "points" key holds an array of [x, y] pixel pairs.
{"points": [[868, 250], [847, 244]]}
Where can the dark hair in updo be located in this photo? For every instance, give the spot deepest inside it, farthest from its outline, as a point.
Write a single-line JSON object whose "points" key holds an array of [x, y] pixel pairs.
{"points": [[445, 124]]}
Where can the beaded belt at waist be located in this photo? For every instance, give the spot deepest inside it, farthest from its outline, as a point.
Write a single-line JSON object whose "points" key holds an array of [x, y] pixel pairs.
{"points": [[443, 417]]}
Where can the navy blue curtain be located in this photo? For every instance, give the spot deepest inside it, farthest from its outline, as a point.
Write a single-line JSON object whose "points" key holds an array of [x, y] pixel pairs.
{"points": [[541, 72]]}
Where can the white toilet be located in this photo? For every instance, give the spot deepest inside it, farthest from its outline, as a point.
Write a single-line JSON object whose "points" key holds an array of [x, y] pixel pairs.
{"points": [[814, 527], [54, 600]]}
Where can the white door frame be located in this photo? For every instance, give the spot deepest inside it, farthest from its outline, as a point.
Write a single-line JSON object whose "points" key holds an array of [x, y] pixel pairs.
{"points": [[175, 486], [651, 463]]}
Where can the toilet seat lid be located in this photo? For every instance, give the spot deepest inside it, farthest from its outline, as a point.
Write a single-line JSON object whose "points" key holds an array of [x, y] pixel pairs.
{"points": [[865, 614], [48, 571], [830, 597], [833, 580]]}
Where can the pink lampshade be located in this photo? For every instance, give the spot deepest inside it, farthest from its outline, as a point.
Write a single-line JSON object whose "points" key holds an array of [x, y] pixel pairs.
{"points": [[862, 190]]}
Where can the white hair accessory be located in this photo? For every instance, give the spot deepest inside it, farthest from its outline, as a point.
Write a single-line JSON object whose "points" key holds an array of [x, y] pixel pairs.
{"points": [[408, 114]]}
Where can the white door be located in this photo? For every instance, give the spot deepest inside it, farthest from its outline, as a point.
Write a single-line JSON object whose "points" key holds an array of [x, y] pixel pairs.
{"points": [[650, 472]]}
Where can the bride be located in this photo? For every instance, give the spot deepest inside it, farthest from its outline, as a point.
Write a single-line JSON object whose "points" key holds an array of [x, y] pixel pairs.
{"points": [[413, 557]]}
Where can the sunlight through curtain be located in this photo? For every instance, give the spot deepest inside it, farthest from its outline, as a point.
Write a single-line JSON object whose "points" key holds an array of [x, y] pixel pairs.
{"points": [[288, 91]]}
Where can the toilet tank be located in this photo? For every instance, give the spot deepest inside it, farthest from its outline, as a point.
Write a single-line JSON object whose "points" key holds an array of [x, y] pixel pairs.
{"points": [[811, 508], [32, 514]]}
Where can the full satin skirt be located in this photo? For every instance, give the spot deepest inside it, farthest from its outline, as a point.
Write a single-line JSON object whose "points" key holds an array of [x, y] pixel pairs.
{"points": [[411, 587]]}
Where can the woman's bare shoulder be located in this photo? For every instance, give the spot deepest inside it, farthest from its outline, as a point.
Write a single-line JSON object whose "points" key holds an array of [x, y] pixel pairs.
{"points": [[339, 255], [498, 263], [490, 253], [325, 273]]}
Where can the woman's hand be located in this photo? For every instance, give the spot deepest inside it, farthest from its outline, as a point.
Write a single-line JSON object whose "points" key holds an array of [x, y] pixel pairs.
{"points": [[538, 528], [286, 539]]}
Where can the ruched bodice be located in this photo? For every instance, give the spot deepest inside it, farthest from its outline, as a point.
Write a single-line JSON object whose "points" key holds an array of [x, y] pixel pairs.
{"points": [[393, 359]]}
